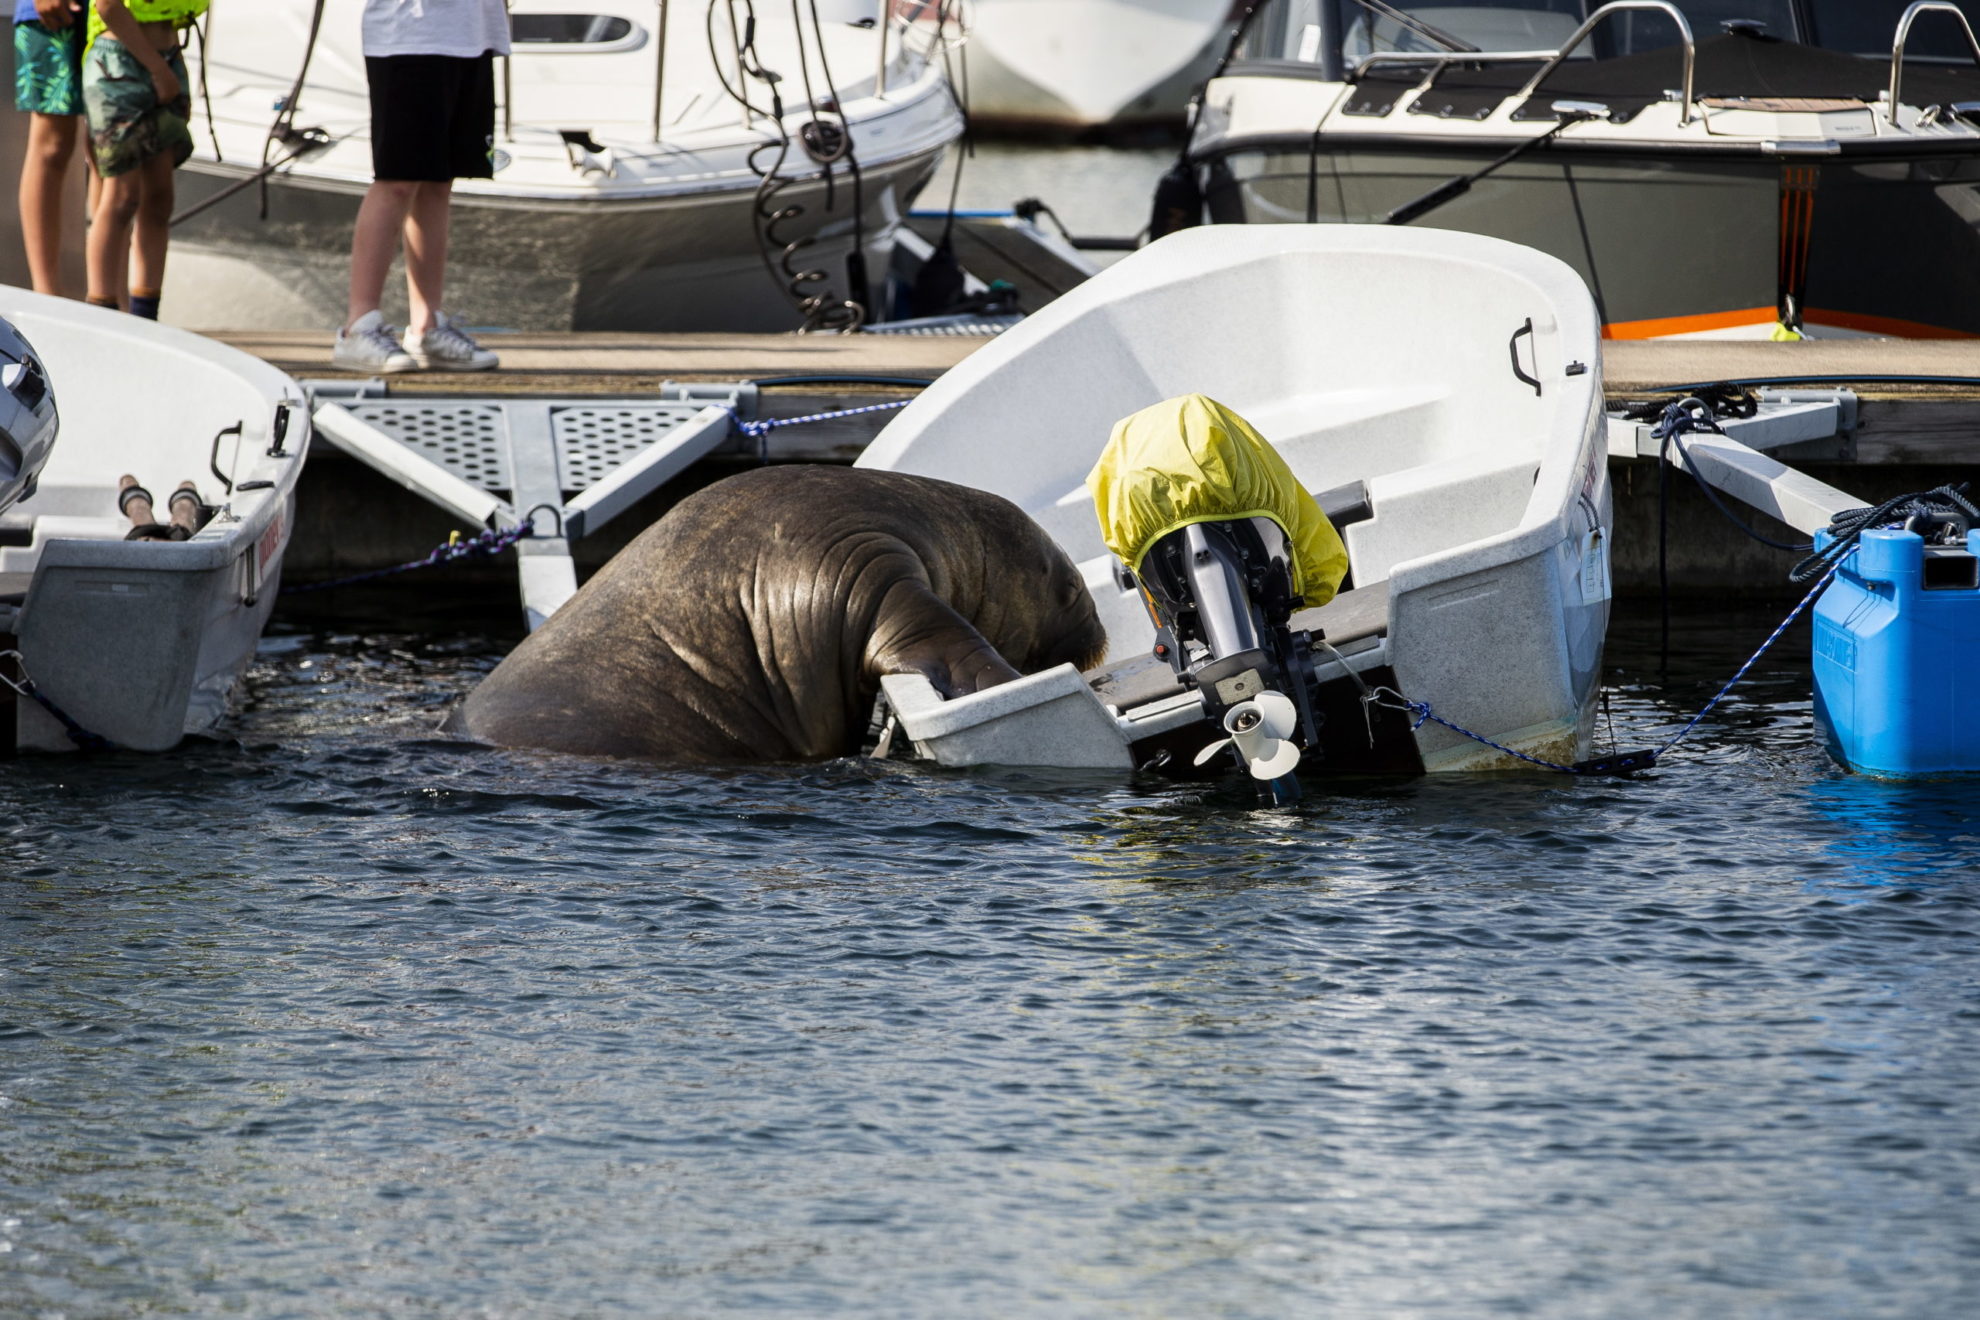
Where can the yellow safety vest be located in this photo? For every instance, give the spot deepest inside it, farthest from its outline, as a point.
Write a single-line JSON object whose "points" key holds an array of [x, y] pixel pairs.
{"points": [[177, 12]]}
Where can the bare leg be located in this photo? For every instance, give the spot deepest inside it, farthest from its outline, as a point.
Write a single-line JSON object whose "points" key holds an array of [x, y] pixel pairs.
{"points": [[153, 226], [426, 254], [110, 237], [375, 240], [51, 142]]}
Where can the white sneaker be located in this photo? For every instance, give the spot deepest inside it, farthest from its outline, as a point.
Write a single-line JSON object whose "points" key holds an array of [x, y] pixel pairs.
{"points": [[447, 347], [371, 345]]}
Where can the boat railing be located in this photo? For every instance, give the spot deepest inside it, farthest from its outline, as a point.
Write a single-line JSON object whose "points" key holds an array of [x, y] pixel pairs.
{"points": [[1904, 34], [1549, 60]]}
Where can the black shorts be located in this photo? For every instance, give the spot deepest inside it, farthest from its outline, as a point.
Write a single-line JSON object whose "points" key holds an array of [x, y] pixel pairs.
{"points": [[432, 117]]}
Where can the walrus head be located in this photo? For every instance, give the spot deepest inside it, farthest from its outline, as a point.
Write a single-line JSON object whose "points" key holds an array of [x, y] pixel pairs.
{"points": [[1007, 579]]}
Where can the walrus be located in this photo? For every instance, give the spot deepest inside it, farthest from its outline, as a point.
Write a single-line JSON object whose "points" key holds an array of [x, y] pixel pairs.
{"points": [[753, 621]]}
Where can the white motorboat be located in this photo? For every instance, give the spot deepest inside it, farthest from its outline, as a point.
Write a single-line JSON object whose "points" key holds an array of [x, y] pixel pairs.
{"points": [[142, 642], [1078, 65], [1710, 167], [1439, 392], [632, 187]]}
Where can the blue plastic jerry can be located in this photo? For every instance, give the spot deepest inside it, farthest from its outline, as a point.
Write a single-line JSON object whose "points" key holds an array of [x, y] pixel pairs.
{"points": [[1897, 657]]}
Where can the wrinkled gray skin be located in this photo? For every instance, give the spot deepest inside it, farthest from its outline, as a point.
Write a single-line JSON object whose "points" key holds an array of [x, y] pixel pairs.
{"points": [[754, 621]]}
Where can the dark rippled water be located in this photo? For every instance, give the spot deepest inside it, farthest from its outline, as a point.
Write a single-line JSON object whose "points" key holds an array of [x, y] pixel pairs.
{"points": [[343, 1020]]}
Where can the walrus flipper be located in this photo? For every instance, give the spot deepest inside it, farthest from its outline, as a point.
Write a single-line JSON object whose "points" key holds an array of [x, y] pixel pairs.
{"points": [[917, 632]]}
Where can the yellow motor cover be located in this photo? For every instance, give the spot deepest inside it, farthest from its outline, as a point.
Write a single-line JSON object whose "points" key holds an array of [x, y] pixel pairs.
{"points": [[1191, 460]]}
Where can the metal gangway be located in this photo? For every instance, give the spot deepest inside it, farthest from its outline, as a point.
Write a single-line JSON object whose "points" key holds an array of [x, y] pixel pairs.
{"points": [[560, 466]]}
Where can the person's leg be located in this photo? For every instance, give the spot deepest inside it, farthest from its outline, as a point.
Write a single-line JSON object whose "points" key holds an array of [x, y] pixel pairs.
{"points": [[437, 341], [153, 230], [110, 237], [51, 142], [375, 241], [365, 342], [426, 255]]}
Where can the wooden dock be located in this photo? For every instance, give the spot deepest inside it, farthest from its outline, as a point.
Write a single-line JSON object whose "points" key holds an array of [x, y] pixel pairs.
{"points": [[1917, 426], [1926, 422], [579, 362]]}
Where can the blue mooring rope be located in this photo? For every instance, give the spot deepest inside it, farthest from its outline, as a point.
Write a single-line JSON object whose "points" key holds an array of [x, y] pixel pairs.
{"points": [[490, 542], [761, 427], [1623, 762]]}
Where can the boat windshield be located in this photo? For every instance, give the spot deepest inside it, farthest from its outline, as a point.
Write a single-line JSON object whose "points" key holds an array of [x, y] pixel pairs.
{"points": [[1324, 31]]}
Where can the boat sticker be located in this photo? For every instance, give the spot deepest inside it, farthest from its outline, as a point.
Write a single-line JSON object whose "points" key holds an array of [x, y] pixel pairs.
{"points": [[271, 541], [1594, 567]]}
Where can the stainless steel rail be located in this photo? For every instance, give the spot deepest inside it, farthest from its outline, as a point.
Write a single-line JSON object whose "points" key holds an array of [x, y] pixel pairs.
{"points": [[1904, 35], [1596, 19], [1551, 59]]}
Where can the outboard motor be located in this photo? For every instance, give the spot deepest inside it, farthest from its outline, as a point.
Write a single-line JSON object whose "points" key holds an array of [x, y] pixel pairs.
{"points": [[1225, 544], [27, 417], [1222, 597]]}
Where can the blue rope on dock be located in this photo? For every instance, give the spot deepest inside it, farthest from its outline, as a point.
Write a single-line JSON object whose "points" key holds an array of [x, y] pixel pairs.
{"points": [[488, 543], [761, 427]]}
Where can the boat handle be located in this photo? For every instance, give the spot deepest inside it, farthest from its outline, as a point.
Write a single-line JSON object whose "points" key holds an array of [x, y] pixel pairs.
{"points": [[1512, 346], [280, 430], [213, 459]]}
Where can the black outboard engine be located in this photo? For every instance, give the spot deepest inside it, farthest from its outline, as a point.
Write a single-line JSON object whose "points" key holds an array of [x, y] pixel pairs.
{"points": [[1222, 596], [27, 417]]}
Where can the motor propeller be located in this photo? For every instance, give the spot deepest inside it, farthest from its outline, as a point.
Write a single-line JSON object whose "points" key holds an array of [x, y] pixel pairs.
{"points": [[1260, 729]]}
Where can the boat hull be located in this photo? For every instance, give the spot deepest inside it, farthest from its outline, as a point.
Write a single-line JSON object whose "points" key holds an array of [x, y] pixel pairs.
{"points": [[688, 262], [1059, 67], [1670, 244]]}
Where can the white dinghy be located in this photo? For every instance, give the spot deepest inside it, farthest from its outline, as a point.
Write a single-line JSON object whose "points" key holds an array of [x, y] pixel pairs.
{"points": [[1439, 392], [142, 642]]}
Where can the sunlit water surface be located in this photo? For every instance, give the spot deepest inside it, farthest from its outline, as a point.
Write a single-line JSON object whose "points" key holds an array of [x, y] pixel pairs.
{"points": [[340, 1019]]}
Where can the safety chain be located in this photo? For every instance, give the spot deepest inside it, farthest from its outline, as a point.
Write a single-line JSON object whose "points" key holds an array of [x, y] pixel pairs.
{"points": [[26, 686], [488, 543]]}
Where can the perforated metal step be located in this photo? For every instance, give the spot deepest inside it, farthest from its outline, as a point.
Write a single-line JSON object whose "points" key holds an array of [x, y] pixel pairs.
{"points": [[594, 439], [471, 440]]}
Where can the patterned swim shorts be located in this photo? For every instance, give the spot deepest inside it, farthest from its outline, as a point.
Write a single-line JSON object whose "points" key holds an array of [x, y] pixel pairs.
{"points": [[48, 69], [127, 125]]}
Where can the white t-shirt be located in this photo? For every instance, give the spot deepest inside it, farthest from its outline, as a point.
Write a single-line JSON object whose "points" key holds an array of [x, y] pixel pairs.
{"points": [[462, 28]]}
